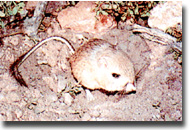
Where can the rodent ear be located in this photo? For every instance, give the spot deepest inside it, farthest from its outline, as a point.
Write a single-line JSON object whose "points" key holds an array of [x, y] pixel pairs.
{"points": [[102, 62]]}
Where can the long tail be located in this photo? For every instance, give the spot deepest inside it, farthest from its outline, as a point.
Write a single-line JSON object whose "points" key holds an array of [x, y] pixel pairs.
{"points": [[15, 72], [14, 67]]}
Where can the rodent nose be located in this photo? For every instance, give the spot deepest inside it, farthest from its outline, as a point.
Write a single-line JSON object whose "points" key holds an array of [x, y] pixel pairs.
{"points": [[130, 88]]}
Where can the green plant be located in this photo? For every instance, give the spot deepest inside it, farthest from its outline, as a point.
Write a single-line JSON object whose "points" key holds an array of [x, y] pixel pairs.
{"points": [[123, 10], [10, 8], [68, 4], [72, 89], [175, 31]]}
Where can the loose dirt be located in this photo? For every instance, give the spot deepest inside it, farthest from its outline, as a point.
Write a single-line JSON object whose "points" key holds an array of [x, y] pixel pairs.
{"points": [[47, 72]]}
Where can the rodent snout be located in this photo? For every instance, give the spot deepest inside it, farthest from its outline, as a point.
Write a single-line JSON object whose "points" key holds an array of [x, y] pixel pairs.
{"points": [[130, 88]]}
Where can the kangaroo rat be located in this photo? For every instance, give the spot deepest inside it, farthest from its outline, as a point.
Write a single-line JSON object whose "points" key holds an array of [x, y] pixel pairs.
{"points": [[96, 65]]}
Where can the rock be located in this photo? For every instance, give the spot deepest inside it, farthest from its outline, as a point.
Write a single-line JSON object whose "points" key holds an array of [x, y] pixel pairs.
{"points": [[50, 59], [54, 6], [86, 117], [14, 40], [82, 18], [166, 15], [39, 109], [42, 62], [89, 95], [38, 106], [95, 113], [50, 82], [9, 56], [31, 5], [61, 83], [13, 97], [47, 21], [68, 99], [52, 97]]}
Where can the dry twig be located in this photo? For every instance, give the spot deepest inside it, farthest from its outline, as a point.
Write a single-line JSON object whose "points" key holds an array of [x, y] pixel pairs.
{"points": [[158, 36]]}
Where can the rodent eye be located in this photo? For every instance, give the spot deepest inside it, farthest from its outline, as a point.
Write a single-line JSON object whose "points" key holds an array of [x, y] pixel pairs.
{"points": [[115, 75]]}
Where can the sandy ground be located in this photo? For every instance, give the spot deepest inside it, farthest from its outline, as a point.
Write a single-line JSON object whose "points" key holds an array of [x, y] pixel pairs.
{"points": [[47, 72]]}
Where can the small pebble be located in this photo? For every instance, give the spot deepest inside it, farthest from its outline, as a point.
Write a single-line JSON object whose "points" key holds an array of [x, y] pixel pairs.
{"points": [[50, 82], [40, 62], [67, 99], [13, 97], [95, 113], [39, 109], [86, 117], [14, 40], [52, 97], [61, 83]]}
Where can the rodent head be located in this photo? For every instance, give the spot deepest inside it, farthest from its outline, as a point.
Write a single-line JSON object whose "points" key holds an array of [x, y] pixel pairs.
{"points": [[116, 71]]}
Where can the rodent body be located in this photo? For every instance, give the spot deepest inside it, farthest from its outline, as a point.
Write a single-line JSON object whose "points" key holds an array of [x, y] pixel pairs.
{"points": [[99, 65], [96, 65]]}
